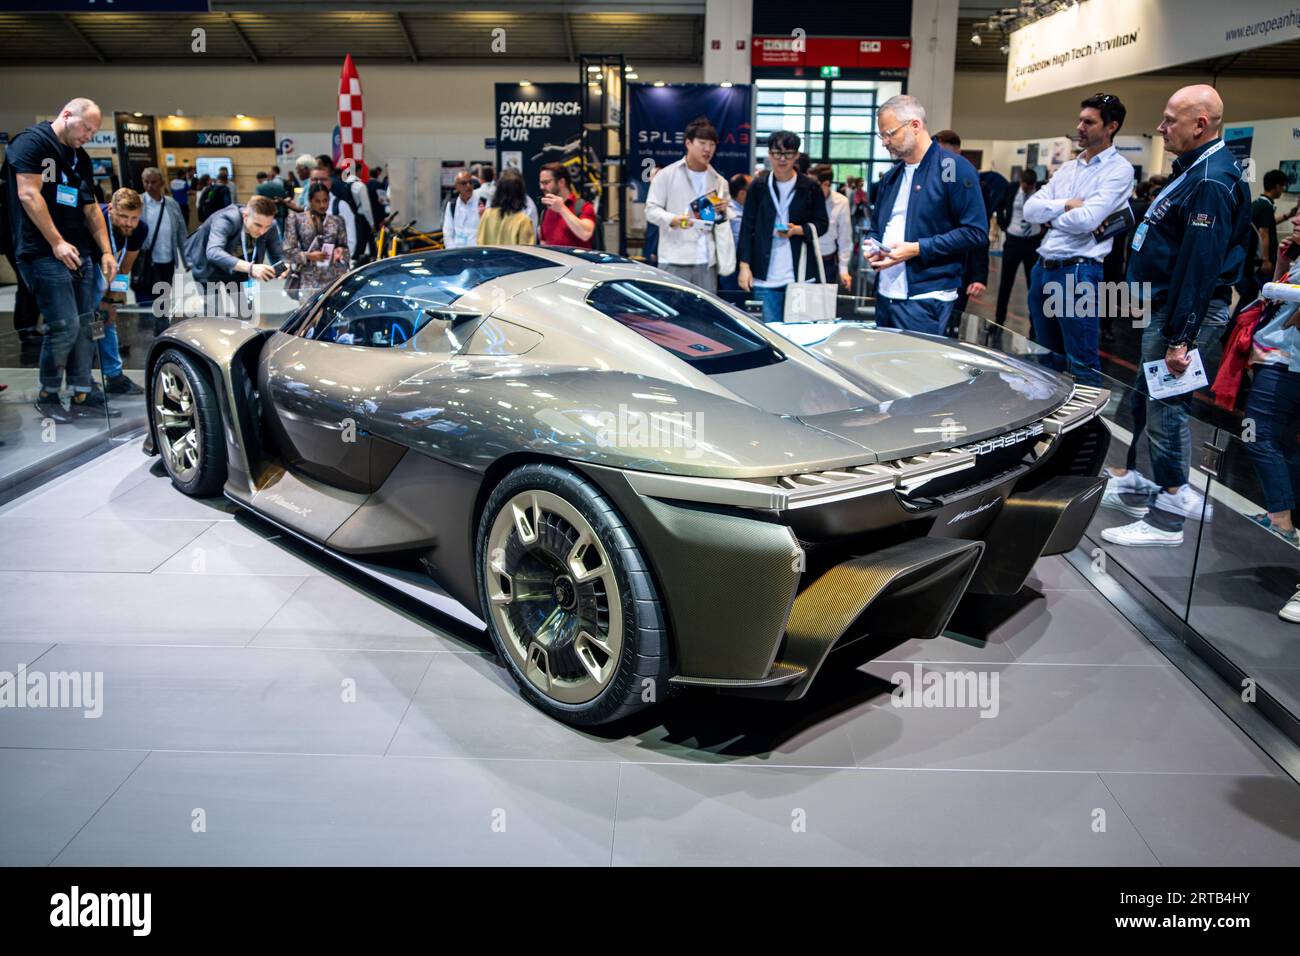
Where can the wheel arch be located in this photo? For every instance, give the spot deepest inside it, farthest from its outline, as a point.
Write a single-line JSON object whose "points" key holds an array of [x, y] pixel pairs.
{"points": [[507, 463]]}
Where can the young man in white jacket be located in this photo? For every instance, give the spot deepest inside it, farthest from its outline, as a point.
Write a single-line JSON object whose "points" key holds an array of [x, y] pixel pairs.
{"points": [[695, 250]]}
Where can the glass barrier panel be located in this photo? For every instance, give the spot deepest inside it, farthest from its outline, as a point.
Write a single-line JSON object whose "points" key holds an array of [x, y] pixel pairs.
{"points": [[1248, 568], [37, 433]]}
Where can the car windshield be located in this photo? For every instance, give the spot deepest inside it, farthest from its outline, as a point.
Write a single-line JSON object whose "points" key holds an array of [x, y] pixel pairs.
{"points": [[684, 322]]}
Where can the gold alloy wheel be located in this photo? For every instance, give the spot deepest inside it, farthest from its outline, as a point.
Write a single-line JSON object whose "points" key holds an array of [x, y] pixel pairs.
{"points": [[554, 598], [176, 422]]}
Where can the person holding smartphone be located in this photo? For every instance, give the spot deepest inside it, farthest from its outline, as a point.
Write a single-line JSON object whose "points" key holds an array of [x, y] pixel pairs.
{"points": [[226, 252], [315, 245], [780, 206]]}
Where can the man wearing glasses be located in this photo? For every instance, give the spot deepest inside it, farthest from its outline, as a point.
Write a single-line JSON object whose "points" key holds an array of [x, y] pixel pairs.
{"points": [[929, 217], [1075, 201], [779, 208]]}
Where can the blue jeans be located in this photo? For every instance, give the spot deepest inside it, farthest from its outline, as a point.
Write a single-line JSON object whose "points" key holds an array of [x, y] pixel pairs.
{"points": [[773, 300], [914, 315], [110, 353], [1054, 307], [67, 299], [1274, 405], [1169, 436]]}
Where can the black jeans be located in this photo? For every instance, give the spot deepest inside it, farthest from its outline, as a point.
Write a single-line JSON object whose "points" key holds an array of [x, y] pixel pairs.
{"points": [[1017, 252]]}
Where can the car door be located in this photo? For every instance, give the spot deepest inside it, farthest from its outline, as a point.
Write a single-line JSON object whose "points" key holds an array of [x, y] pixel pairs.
{"points": [[321, 381]]}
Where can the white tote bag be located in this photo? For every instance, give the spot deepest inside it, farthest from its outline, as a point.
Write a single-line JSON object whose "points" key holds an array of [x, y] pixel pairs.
{"points": [[810, 301]]}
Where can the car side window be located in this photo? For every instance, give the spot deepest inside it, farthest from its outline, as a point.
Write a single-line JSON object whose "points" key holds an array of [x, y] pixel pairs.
{"points": [[387, 304]]}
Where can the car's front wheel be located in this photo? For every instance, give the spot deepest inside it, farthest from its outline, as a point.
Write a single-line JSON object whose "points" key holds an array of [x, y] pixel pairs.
{"points": [[570, 602], [187, 425]]}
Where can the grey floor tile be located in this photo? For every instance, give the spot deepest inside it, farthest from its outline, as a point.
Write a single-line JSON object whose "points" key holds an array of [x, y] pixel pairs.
{"points": [[1077, 627], [328, 613], [86, 488], [228, 699], [1213, 820], [90, 544], [1053, 717], [468, 706], [156, 497], [267, 810], [1056, 574], [742, 816], [47, 795], [231, 547], [140, 608], [14, 654]]}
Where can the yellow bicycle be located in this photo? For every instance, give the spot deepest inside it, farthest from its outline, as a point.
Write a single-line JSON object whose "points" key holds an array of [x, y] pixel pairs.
{"points": [[391, 242]]}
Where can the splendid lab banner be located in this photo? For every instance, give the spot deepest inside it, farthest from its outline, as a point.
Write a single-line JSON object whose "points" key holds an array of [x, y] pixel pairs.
{"points": [[657, 124], [1090, 44], [536, 125]]}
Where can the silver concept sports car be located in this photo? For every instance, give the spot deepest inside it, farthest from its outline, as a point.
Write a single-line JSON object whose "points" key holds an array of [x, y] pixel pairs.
{"points": [[636, 486]]}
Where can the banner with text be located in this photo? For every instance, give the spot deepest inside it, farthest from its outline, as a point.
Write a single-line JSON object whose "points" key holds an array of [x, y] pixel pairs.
{"points": [[1096, 42], [657, 124], [536, 125], [137, 147]]}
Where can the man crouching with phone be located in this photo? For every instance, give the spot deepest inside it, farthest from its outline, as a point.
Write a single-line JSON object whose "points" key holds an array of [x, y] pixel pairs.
{"points": [[227, 251]]}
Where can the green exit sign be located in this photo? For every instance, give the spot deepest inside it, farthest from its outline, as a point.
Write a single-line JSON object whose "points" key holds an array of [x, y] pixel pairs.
{"points": [[830, 72]]}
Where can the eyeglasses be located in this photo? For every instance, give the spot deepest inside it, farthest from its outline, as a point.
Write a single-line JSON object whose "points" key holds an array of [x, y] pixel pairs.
{"points": [[887, 135], [783, 153]]}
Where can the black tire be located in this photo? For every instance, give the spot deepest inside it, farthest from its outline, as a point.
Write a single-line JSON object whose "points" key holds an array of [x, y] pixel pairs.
{"points": [[209, 473], [640, 676]]}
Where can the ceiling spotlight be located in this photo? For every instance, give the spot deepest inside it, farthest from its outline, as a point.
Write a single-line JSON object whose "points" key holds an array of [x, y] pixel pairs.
{"points": [[628, 67], [659, 82], [632, 76], [725, 84], [525, 82], [137, 114], [240, 116], [593, 69], [975, 38]]}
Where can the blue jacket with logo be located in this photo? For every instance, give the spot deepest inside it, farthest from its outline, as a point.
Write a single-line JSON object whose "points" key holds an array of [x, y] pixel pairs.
{"points": [[1195, 241], [945, 215]]}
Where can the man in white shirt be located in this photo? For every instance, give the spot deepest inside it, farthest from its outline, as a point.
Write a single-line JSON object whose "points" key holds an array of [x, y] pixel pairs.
{"points": [[837, 244], [487, 176], [694, 248], [1065, 295], [460, 217]]}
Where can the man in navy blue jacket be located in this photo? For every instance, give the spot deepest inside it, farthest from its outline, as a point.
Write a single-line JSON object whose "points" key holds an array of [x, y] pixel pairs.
{"points": [[1189, 249], [928, 217]]}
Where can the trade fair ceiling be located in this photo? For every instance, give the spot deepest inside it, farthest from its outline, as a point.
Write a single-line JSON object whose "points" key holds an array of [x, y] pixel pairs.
{"points": [[289, 31]]}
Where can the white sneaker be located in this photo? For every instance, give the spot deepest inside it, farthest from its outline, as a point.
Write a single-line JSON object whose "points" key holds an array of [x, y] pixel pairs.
{"points": [[1132, 482], [1139, 534], [1291, 610], [1186, 501], [1112, 499]]}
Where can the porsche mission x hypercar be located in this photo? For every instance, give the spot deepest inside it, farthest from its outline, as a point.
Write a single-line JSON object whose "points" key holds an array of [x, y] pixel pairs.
{"points": [[636, 486]]}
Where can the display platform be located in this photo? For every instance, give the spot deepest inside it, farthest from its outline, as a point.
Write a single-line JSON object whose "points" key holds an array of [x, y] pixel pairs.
{"points": [[264, 704]]}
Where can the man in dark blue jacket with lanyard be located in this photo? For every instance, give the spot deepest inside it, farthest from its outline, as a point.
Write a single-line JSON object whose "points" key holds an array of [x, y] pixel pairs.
{"points": [[929, 215], [1189, 247]]}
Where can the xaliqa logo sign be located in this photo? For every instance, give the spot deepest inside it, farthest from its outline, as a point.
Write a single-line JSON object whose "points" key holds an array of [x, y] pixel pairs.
{"points": [[218, 138]]}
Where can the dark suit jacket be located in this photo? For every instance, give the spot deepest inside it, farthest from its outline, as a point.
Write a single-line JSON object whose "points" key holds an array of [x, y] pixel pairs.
{"points": [[807, 206]]}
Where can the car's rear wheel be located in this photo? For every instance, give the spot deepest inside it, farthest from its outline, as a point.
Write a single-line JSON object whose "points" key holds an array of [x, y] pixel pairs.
{"points": [[569, 600], [187, 425]]}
